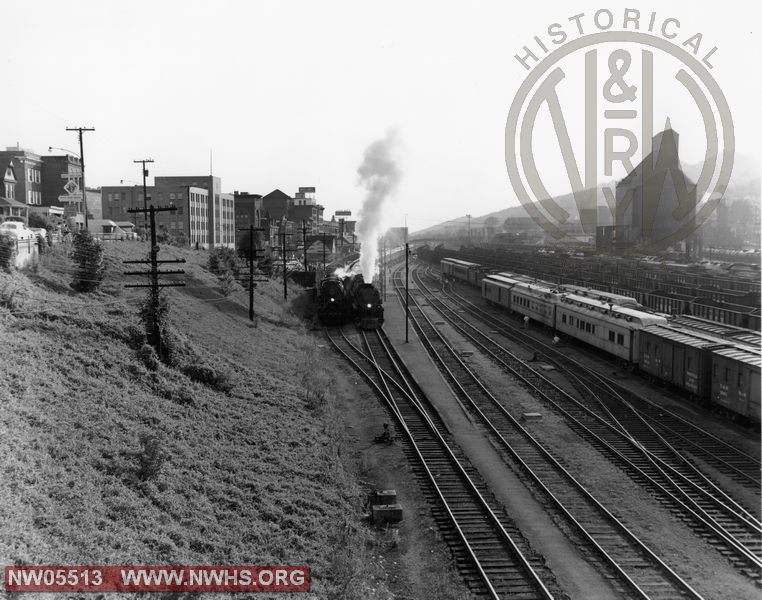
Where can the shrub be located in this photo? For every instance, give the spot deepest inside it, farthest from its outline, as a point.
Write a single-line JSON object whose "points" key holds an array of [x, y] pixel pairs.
{"points": [[7, 250], [148, 357], [42, 244], [153, 312], [88, 254], [224, 259], [151, 457], [228, 284], [208, 376]]}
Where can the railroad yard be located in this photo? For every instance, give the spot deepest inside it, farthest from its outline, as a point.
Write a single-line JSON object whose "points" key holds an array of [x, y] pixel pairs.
{"points": [[550, 469]]}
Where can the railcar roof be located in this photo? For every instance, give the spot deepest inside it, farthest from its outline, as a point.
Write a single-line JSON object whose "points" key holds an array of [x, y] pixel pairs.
{"points": [[646, 318], [681, 336], [526, 285], [741, 355], [462, 263], [597, 294]]}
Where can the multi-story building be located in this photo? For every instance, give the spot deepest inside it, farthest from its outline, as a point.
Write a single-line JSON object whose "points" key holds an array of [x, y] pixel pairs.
{"points": [[9, 206], [220, 209], [28, 170], [248, 211], [189, 224]]}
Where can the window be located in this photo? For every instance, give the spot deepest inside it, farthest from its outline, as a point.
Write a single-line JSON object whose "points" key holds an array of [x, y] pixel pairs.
{"points": [[611, 336], [688, 363], [587, 327], [727, 374], [714, 372], [620, 339], [740, 381], [563, 318], [648, 347], [179, 210]]}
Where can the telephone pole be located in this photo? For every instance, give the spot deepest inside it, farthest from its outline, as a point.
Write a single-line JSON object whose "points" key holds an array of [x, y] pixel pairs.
{"points": [[145, 193], [322, 237], [283, 249], [252, 255], [155, 333], [407, 294], [304, 235], [82, 164]]}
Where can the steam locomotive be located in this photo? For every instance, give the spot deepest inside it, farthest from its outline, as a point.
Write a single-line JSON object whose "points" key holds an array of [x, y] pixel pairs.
{"points": [[350, 300], [332, 301]]}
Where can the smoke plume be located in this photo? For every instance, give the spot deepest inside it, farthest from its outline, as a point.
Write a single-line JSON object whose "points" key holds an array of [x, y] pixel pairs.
{"points": [[379, 174]]}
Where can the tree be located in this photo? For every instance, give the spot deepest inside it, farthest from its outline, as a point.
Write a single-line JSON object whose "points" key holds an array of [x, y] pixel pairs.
{"points": [[88, 254]]}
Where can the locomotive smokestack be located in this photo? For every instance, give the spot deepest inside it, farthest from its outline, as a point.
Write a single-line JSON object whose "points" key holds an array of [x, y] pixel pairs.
{"points": [[379, 174]]}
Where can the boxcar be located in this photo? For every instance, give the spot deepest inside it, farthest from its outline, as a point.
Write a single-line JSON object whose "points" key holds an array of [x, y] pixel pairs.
{"points": [[736, 380], [678, 357]]}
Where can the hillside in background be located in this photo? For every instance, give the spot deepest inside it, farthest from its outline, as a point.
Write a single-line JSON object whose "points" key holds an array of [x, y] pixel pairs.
{"points": [[744, 183]]}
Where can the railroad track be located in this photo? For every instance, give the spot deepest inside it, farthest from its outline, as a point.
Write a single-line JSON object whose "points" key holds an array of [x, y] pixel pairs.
{"points": [[726, 525], [683, 435], [617, 552], [492, 556]]}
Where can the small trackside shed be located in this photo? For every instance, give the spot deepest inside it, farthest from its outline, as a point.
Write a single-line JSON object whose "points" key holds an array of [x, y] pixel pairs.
{"points": [[736, 380]]}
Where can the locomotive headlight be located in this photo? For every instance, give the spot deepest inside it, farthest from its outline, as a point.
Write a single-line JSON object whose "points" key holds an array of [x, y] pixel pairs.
{"points": [[368, 305], [332, 299]]}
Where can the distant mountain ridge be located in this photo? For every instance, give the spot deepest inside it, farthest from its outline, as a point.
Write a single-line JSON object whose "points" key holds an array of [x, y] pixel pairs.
{"points": [[744, 183]]}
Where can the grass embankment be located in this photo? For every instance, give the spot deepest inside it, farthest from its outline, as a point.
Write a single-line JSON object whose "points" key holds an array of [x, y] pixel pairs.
{"points": [[106, 460]]}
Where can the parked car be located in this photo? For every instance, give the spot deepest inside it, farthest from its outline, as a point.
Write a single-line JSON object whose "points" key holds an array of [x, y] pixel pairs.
{"points": [[17, 230], [41, 231]]}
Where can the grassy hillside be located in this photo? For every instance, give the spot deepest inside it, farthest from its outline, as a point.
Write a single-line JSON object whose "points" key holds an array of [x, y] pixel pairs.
{"points": [[107, 461]]}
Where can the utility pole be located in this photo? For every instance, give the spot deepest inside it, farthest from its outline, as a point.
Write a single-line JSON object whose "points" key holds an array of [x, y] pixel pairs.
{"points": [[322, 237], [252, 255], [154, 275], [407, 294], [383, 265], [469, 229], [304, 235], [82, 163], [145, 193], [283, 249]]}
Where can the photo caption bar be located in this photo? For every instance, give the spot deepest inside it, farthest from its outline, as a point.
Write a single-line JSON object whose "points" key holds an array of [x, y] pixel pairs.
{"points": [[135, 578]]}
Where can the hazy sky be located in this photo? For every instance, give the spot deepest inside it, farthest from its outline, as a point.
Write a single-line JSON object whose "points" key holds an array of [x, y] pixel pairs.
{"points": [[290, 93]]}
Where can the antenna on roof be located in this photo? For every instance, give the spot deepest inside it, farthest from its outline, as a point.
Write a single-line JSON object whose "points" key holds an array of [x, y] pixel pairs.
{"points": [[210, 161]]}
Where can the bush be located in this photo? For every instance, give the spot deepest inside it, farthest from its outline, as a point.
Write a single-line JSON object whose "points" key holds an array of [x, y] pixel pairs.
{"points": [[153, 314], [225, 259], [148, 357], [7, 251], [151, 457], [42, 244], [88, 254], [208, 376]]}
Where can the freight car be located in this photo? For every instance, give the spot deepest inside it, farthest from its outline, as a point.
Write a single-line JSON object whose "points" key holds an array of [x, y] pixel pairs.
{"points": [[366, 308], [736, 380], [721, 372], [333, 308]]}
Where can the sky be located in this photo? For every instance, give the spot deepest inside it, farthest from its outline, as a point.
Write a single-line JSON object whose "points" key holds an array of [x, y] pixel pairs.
{"points": [[289, 93]]}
